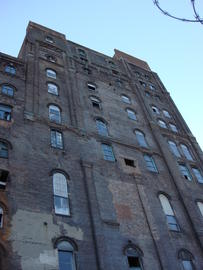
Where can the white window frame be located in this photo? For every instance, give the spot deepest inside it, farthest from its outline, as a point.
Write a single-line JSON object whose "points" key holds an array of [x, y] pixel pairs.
{"points": [[51, 73], [61, 196]]}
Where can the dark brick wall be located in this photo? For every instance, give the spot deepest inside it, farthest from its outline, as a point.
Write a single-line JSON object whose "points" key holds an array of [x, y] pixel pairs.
{"points": [[112, 205]]}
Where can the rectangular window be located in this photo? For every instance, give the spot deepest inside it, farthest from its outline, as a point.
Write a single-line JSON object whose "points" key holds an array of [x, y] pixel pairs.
{"points": [[172, 223], [65, 260], [61, 205], [198, 175], [134, 263], [3, 178], [150, 164], [185, 172], [129, 162], [108, 152], [5, 112], [56, 139], [187, 265]]}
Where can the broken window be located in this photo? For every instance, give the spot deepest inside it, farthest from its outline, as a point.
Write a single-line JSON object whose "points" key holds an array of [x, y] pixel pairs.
{"points": [[5, 112], [185, 172], [134, 261], [3, 150], [3, 179], [91, 86], [1, 217], [129, 162], [95, 102]]}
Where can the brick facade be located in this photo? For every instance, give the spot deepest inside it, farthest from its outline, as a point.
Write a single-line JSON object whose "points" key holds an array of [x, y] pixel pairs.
{"points": [[113, 206]]}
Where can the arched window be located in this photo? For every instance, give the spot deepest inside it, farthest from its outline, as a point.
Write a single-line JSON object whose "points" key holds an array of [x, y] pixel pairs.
{"points": [[152, 87], [1, 217], [3, 150], [101, 127], [60, 188], [91, 86], [162, 123], [131, 114], [170, 217], [51, 58], [54, 114], [186, 259], [10, 69], [51, 73], [155, 110], [166, 114], [52, 88], [95, 102], [66, 256], [200, 205], [133, 257], [198, 175], [174, 149], [173, 127], [7, 90], [49, 39], [126, 99], [185, 172], [5, 112], [141, 138], [186, 152]]}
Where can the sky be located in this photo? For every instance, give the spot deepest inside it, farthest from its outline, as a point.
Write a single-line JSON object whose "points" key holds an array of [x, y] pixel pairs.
{"points": [[172, 48]]}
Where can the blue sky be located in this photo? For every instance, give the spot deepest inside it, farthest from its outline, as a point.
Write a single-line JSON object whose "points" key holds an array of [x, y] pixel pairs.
{"points": [[173, 49]]}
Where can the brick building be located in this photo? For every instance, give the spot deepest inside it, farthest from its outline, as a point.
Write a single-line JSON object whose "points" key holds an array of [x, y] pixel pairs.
{"points": [[98, 169]]}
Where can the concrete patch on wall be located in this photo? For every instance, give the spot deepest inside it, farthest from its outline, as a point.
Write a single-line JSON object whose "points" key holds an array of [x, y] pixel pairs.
{"points": [[36, 249]]}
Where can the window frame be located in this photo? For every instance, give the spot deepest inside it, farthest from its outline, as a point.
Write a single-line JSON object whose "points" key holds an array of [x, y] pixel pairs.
{"points": [[2, 217], [174, 149], [126, 99], [6, 150], [107, 148], [7, 113], [54, 144], [102, 127], [169, 213], [199, 173], [184, 167], [155, 169], [131, 114], [162, 124], [186, 152], [10, 69], [166, 113], [96, 102], [70, 248], [55, 93], [61, 191], [141, 139], [173, 127], [50, 71], [55, 114], [9, 86]]}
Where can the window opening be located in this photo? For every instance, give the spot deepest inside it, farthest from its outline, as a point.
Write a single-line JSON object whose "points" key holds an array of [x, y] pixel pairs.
{"points": [[5, 112], [129, 162], [185, 172], [3, 179], [7, 90]]}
